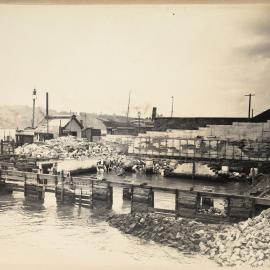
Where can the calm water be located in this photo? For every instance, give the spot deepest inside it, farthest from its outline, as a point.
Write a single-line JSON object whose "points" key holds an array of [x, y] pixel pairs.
{"points": [[69, 235], [157, 180], [57, 235]]}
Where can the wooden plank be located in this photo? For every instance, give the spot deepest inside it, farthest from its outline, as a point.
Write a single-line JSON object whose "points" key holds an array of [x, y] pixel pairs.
{"points": [[240, 202], [139, 207], [186, 212], [262, 201], [141, 199], [82, 182], [208, 218], [240, 212]]}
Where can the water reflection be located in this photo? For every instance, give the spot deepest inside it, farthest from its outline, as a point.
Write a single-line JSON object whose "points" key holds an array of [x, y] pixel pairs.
{"points": [[6, 202], [61, 234]]}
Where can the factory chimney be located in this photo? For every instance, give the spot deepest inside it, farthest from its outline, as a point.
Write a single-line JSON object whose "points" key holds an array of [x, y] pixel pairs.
{"points": [[154, 113]]}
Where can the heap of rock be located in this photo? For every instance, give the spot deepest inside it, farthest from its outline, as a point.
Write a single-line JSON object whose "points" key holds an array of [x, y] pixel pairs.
{"points": [[244, 243], [183, 234], [65, 147]]}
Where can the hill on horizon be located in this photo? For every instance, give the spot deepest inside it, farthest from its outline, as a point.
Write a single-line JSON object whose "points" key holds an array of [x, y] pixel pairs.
{"points": [[20, 116]]}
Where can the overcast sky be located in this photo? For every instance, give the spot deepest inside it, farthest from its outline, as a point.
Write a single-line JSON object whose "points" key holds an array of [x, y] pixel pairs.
{"points": [[89, 57]]}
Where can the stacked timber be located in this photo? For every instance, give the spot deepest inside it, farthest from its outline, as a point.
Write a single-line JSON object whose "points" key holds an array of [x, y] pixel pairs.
{"points": [[240, 209], [34, 192], [64, 195], [186, 203], [64, 192], [83, 198], [142, 199], [102, 194]]}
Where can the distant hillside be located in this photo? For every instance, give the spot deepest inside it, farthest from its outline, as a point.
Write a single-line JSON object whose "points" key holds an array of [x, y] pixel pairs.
{"points": [[19, 116]]}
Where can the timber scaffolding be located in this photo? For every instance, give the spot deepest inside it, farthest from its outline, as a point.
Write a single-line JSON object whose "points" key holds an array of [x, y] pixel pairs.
{"points": [[200, 149], [91, 192], [240, 156]]}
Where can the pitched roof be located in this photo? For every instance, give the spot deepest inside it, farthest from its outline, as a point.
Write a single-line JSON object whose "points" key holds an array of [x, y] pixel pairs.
{"points": [[262, 117], [54, 122], [91, 122]]}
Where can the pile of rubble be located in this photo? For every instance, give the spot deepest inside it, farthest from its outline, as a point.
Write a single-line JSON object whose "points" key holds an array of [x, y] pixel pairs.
{"points": [[245, 243], [183, 234], [68, 148], [62, 147]]}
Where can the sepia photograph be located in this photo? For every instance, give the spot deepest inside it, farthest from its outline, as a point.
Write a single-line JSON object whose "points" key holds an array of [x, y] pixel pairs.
{"points": [[134, 135]]}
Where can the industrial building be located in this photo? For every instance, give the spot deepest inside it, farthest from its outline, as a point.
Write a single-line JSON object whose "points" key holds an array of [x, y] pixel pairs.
{"points": [[56, 126]]}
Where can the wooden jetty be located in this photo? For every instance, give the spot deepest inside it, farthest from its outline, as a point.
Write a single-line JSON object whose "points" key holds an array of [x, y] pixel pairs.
{"points": [[90, 192]]}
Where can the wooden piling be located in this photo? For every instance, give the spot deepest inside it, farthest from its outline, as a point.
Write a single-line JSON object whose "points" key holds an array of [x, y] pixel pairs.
{"points": [[193, 169], [33, 191], [142, 199], [80, 201], [187, 203], [102, 193]]}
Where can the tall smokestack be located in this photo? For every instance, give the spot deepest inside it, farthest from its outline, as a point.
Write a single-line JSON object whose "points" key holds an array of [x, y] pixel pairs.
{"points": [[47, 105], [154, 113]]}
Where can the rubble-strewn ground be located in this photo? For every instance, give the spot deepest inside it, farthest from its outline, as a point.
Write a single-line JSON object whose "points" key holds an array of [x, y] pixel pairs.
{"points": [[112, 153], [245, 243], [183, 234], [74, 148], [63, 147]]}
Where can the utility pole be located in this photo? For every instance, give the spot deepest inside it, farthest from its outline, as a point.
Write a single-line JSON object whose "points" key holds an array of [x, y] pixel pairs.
{"points": [[34, 103], [128, 106], [139, 117], [172, 106], [249, 103], [47, 110]]}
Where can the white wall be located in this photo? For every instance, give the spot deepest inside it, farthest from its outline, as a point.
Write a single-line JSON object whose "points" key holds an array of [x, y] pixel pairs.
{"points": [[73, 126]]}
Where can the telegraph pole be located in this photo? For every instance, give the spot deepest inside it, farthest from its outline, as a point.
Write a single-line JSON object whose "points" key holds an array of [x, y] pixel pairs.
{"points": [[34, 103], [128, 106], [47, 110], [172, 107], [139, 117], [249, 103]]}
